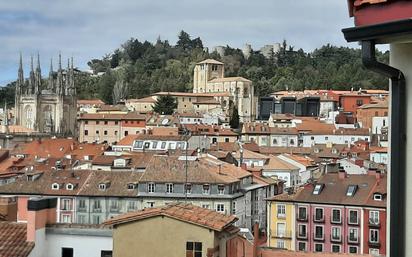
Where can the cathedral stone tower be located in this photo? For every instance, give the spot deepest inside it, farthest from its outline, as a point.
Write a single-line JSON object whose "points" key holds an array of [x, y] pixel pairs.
{"points": [[49, 107], [205, 71]]}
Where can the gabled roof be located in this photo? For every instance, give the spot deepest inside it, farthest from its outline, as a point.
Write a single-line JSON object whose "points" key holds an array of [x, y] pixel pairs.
{"points": [[13, 240], [210, 61], [275, 163], [180, 211], [229, 79]]}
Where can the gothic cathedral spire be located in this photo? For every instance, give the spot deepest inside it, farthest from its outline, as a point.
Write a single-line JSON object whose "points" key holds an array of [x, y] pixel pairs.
{"points": [[50, 85], [37, 86], [20, 78], [60, 89], [32, 79]]}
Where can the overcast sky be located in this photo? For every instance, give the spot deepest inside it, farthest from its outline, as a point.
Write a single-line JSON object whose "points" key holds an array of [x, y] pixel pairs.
{"points": [[87, 29]]}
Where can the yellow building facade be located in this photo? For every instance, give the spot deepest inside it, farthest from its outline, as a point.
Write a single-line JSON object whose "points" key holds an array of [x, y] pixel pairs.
{"points": [[281, 225]]}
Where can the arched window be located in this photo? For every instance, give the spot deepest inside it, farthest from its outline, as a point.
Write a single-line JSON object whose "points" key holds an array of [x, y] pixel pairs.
{"points": [[29, 116], [275, 141]]}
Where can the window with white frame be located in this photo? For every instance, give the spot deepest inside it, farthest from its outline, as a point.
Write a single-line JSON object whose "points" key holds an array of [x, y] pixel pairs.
{"points": [[96, 205], [318, 248], [353, 217], [319, 214], [66, 204], [150, 204], [319, 232], [221, 189], [55, 186], [169, 188], [131, 205], [281, 209], [335, 249], [353, 249], [220, 207], [374, 236], [69, 186], [82, 204], [336, 216], [206, 189], [374, 217], [302, 231], [302, 213], [280, 244], [302, 246], [205, 206], [336, 234], [281, 229], [151, 187], [66, 218], [353, 235], [374, 252]]}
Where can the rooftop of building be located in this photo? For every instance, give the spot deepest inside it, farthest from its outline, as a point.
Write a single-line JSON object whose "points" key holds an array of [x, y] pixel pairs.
{"points": [[276, 163], [13, 240], [180, 211], [97, 102]]}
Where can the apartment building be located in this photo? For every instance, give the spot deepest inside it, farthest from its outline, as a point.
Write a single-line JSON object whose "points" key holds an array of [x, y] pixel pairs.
{"points": [[264, 134], [366, 113], [338, 213]]}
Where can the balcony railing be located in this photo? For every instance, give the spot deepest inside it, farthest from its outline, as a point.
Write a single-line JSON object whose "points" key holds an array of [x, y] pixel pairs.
{"points": [[353, 221], [318, 219], [374, 223], [319, 237], [353, 240], [97, 209], [336, 239], [281, 234], [374, 244], [302, 236], [281, 216], [82, 208], [302, 217]]}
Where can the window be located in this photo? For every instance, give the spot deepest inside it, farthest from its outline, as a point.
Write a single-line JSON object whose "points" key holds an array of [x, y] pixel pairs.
{"points": [[106, 122], [82, 204], [292, 142], [154, 144], [374, 236], [102, 186], [351, 190], [234, 208], [302, 232], [319, 232], [214, 67], [374, 252], [220, 207], [96, 205], [86, 132], [66, 218], [359, 102], [116, 122], [281, 210], [280, 244], [319, 214], [188, 189], [163, 145], [81, 219], [302, 213], [67, 252], [131, 186], [151, 187], [146, 145], [353, 235], [115, 132], [105, 132], [97, 132], [353, 217], [65, 205], [69, 186], [377, 197], [131, 205], [114, 205], [374, 217], [169, 188], [336, 234], [336, 216], [301, 246], [206, 189], [221, 189], [55, 186], [226, 139], [353, 249], [335, 248], [318, 188], [126, 133], [205, 206], [194, 249], [318, 248], [97, 122], [86, 122], [96, 219], [106, 253], [150, 204]]}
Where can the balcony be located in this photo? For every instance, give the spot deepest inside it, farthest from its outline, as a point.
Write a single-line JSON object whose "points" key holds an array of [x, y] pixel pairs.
{"points": [[97, 210], [318, 219], [82, 209], [281, 234], [114, 209], [301, 236], [373, 223], [319, 237], [302, 218], [281, 216], [353, 240], [374, 244], [336, 239], [353, 221]]}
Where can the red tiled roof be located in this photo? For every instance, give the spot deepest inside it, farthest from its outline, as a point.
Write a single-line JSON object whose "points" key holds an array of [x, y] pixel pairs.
{"points": [[180, 211], [90, 101], [57, 147], [13, 241], [128, 140]]}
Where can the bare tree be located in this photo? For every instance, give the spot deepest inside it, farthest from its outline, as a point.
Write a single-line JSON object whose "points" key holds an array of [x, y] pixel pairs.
{"points": [[120, 91]]}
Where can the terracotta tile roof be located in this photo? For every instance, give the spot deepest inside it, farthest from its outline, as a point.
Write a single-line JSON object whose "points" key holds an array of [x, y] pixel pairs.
{"points": [[335, 188], [180, 211], [13, 240], [87, 149], [194, 94], [161, 137], [361, 2], [304, 160], [211, 61], [251, 146], [225, 146], [128, 140], [57, 147], [284, 253], [19, 129], [149, 99], [379, 105], [211, 130], [250, 155], [281, 150], [106, 107], [112, 116], [207, 101], [136, 160], [164, 169], [275, 163]]}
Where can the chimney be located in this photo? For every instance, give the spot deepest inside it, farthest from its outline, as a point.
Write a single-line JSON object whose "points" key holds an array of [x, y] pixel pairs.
{"points": [[342, 173], [8, 208], [255, 239], [243, 166], [40, 212], [72, 147]]}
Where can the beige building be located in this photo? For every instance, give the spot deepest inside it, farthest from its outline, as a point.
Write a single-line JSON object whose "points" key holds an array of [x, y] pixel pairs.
{"points": [[174, 230], [209, 77]]}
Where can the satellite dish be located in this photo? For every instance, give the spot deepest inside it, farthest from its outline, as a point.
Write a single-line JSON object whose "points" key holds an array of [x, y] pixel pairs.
{"points": [[165, 121]]}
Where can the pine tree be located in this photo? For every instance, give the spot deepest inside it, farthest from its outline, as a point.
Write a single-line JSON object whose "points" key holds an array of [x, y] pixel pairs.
{"points": [[165, 105]]}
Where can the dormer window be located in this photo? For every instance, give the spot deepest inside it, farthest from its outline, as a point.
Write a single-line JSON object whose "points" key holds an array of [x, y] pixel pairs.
{"points": [[351, 190], [131, 186], [316, 150], [221, 189], [55, 186], [334, 151], [318, 188], [377, 197], [69, 186], [102, 186]]}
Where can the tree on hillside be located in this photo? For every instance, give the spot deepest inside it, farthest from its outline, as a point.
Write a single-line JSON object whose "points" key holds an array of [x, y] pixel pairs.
{"points": [[165, 104], [120, 91], [184, 41], [234, 120]]}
